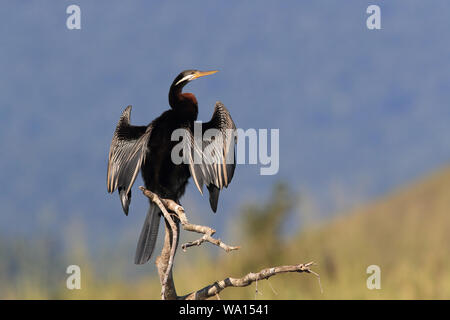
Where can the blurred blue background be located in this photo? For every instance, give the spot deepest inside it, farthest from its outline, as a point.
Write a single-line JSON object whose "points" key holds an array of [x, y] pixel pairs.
{"points": [[360, 112]]}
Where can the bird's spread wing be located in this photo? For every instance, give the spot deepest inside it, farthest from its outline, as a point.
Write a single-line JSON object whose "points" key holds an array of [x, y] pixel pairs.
{"points": [[212, 158], [126, 154]]}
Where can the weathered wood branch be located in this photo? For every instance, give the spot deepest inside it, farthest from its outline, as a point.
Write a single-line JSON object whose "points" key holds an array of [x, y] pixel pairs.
{"points": [[164, 262], [168, 291], [171, 246], [215, 288]]}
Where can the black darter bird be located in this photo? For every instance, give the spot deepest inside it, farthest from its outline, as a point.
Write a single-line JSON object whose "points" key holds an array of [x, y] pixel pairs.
{"points": [[149, 149]]}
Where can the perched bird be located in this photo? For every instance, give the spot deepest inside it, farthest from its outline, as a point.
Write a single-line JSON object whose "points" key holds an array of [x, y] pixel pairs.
{"points": [[148, 148]]}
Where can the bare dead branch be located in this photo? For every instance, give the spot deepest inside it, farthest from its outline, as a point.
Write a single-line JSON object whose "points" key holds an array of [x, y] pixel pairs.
{"points": [[173, 245], [217, 287], [164, 262]]}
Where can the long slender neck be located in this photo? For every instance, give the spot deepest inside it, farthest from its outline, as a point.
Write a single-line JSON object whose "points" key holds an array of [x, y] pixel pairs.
{"points": [[184, 104]]}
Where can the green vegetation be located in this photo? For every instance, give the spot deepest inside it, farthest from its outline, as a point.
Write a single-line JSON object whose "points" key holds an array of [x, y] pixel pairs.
{"points": [[406, 233]]}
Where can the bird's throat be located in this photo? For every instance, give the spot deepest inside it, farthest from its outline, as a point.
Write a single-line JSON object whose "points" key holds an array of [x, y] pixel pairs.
{"points": [[184, 104]]}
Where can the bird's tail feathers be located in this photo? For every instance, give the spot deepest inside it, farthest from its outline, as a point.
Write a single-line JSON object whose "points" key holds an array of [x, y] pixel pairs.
{"points": [[213, 196], [149, 234]]}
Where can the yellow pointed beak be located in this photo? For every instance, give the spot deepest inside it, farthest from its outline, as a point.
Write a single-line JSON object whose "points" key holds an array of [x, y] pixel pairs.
{"points": [[203, 73]]}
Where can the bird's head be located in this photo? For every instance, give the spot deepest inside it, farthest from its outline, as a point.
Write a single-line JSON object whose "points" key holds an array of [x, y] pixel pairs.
{"points": [[188, 75]]}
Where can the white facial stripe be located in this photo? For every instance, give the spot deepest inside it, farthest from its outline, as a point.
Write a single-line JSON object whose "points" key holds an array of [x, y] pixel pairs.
{"points": [[188, 77]]}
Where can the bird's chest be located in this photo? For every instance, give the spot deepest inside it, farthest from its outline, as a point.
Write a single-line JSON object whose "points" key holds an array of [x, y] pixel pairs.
{"points": [[162, 173]]}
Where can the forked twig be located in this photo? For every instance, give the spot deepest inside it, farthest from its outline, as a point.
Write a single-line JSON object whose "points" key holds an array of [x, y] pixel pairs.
{"points": [[179, 211]]}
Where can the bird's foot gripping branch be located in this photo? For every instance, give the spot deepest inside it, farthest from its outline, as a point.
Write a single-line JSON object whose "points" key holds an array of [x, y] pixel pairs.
{"points": [[174, 215]]}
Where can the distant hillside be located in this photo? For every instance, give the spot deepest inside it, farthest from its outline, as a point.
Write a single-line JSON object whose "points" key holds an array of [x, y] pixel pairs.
{"points": [[406, 233]]}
